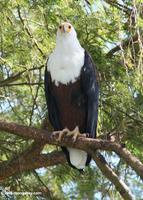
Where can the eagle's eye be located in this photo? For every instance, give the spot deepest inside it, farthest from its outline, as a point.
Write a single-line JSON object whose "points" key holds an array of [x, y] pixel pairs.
{"points": [[60, 27], [69, 27]]}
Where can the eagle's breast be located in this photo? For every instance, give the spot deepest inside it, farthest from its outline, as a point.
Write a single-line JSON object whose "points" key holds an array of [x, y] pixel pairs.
{"points": [[71, 105], [65, 67]]}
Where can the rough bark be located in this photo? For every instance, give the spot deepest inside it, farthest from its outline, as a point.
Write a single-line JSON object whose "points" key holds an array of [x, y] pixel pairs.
{"points": [[87, 144], [29, 161], [31, 158]]}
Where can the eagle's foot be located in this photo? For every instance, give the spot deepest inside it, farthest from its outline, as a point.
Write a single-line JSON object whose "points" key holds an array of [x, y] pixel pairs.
{"points": [[75, 133], [61, 133]]}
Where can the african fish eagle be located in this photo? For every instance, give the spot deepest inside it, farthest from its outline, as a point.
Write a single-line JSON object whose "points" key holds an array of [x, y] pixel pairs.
{"points": [[71, 90]]}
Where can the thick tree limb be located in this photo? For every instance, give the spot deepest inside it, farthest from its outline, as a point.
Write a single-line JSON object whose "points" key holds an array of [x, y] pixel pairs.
{"points": [[29, 161], [87, 144], [121, 187]]}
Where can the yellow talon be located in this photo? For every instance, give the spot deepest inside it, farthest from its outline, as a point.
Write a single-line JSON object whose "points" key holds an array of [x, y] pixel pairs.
{"points": [[75, 133], [61, 133]]}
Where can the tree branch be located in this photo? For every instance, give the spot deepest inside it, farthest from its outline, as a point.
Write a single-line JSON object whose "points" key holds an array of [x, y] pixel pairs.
{"points": [[119, 6], [121, 187], [30, 159], [21, 84], [17, 76], [26, 28], [124, 44], [27, 161], [88, 144]]}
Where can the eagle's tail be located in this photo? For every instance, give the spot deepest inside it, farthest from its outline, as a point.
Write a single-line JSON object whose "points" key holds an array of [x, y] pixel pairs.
{"points": [[78, 158]]}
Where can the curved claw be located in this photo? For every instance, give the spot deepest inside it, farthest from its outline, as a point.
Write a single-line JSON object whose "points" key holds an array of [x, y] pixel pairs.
{"points": [[75, 133], [61, 133]]}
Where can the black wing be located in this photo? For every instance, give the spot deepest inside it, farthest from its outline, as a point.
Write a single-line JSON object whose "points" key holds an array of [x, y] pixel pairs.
{"points": [[51, 103], [90, 88]]}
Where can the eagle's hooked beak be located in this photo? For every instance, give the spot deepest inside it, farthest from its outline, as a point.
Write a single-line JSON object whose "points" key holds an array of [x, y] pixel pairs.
{"points": [[64, 29]]}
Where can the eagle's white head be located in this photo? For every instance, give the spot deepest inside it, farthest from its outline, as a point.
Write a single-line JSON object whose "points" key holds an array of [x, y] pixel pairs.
{"points": [[67, 37], [66, 29], [67, 59]]}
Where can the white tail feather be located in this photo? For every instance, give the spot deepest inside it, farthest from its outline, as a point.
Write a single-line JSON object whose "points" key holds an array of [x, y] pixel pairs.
{"points": [[77, 158]]}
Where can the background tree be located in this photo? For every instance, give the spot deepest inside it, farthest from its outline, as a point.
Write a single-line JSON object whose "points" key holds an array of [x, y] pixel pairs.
{"points": [[112, 31]]}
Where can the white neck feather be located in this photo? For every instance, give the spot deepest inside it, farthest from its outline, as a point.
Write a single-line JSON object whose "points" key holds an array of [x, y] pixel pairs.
{"points": [[66, 61]]}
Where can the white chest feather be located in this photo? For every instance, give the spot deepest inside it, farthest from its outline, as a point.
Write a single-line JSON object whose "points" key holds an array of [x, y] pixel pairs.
{"points": [[65, 66]]}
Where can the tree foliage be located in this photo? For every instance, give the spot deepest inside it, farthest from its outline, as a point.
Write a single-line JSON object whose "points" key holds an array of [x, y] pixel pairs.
{"points": [[112, 31]]}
